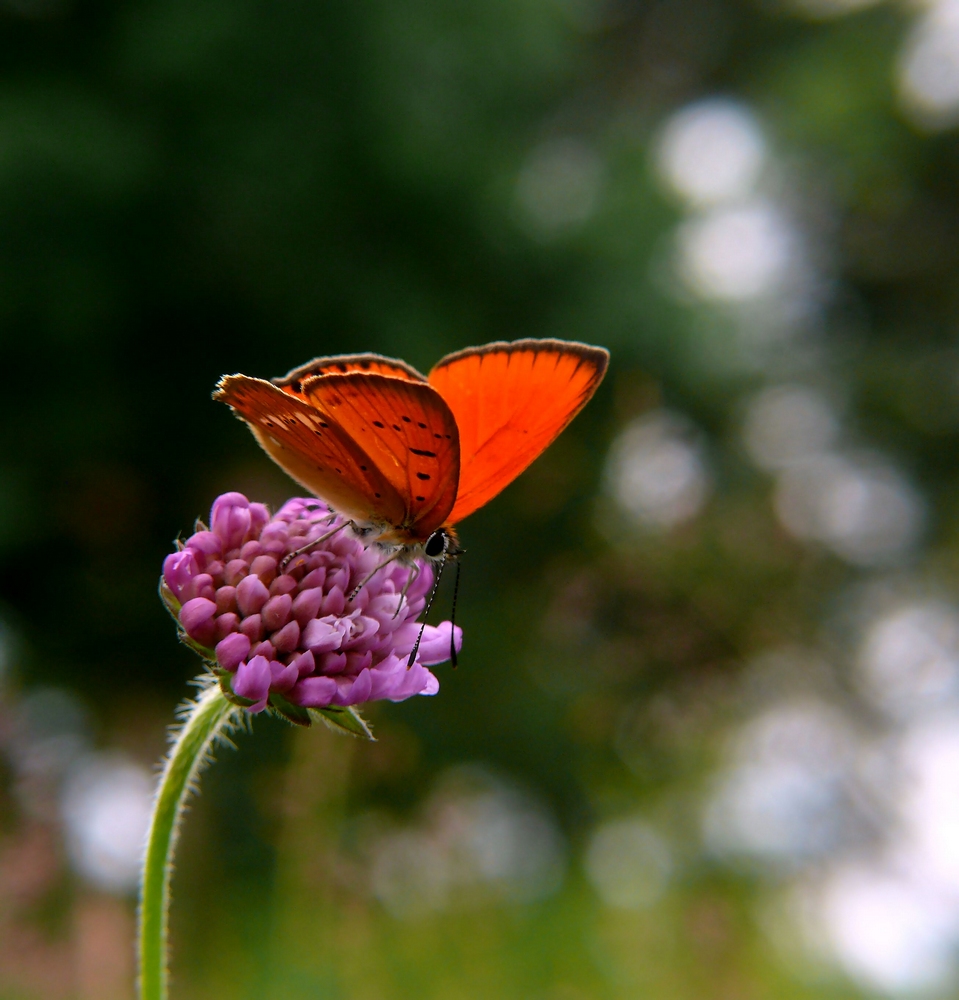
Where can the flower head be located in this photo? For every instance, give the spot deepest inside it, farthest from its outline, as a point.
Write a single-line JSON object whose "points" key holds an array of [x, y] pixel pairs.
{"points": [[277, 624]]}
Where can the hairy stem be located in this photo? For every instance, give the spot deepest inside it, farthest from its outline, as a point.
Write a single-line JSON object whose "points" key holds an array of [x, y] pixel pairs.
{"points": [[204, 720]]}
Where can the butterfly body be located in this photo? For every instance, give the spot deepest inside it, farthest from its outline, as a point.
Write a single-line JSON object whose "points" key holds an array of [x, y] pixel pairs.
{"points": [[407, 456]]}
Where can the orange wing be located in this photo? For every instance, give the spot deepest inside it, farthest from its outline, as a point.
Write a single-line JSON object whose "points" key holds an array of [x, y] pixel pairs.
{"points": [[511, 401], [410, 434], [314, 450], [340, 364]]}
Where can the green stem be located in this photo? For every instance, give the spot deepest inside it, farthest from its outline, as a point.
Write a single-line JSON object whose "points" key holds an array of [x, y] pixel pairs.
{"points": [[205, 718]]}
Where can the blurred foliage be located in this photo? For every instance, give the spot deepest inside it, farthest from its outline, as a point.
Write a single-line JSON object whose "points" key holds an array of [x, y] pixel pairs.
{"points": [[193, 189]]}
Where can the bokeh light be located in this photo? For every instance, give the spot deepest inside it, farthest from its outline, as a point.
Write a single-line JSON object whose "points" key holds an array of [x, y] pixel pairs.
{"points": [[887, 932], [478, 835], [656, 471], [737, 253], [909, 660], [785, 789], [106, 809], [629, 863], [788, 423], [929, 66], [559, 186], [859, 506], [712, 151]]}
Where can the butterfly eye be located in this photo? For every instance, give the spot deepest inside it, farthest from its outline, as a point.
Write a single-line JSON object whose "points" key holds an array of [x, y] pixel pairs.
{"points": [[436, 544]]}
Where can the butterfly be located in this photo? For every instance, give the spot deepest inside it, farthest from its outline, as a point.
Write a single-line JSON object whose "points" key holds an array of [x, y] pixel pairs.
{"points": [[407, 456]]}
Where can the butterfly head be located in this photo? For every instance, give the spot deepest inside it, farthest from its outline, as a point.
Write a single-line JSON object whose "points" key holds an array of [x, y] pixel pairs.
{"points": [[442, 545]]}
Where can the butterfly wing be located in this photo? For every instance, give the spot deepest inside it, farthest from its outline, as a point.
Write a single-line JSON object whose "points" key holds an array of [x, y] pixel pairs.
{"points": [[340, 364], [408, 431], [312, 448], [511, 401]]}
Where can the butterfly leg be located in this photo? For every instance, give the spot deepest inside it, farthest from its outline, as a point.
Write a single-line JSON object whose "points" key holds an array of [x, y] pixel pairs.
{"points": [[369, 576], [456, 591], [309, 545], [414, 573], [429, 604]]}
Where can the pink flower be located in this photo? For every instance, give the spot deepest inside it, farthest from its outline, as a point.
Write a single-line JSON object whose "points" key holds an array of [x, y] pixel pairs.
{"points": [[284, 633]]}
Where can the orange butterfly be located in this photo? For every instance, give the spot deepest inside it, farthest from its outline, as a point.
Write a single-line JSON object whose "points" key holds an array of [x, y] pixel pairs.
{"points": [[406, 456]]}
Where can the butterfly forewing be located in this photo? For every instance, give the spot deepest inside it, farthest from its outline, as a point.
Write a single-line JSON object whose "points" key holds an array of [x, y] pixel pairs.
{"points": [[312, 447], [407, 430], [510, 402], [340, 364]]}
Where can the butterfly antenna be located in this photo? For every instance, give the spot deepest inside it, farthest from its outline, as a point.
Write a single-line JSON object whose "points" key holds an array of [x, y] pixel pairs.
{"points": [[414, 573], [369, 576], [429, 604], [286, 560], [456, 590]]}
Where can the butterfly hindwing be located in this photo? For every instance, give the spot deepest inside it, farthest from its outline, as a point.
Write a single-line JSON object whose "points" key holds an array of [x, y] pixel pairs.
{"points": [[312, 448], [340, 364], [510, 402], [407, 430]]}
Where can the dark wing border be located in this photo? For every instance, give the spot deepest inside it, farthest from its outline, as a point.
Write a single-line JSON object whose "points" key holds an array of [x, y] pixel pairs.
{"points": [[342, 364], [597, 356]]}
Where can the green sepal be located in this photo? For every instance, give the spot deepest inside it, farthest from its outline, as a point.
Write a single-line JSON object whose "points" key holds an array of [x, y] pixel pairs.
{"points": [[207, 654], [296, 714], [344, 720], [169, 599], [226, 687]]}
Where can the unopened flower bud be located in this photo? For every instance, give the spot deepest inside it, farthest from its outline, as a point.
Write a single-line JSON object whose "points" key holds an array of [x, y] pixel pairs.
{"points": [[306, 604], [283, 584], [282, 678], [226, 600], [252, 680], [287, 638], [231, 650], [276, 612], [206, 542], [265, 568], [252, 627], [179, 568], [196, 617], [251, 594]]}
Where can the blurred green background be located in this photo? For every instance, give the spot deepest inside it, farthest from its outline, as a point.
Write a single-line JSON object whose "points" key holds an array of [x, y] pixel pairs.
{"points": [[704, 738]]}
